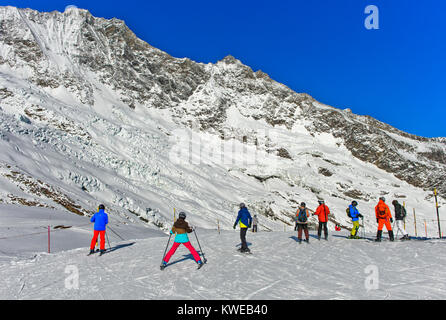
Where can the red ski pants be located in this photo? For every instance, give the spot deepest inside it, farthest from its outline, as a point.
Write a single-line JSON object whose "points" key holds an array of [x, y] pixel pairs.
{"points": [[175, 247], [303, 227], [382, 222], [95, 239]]}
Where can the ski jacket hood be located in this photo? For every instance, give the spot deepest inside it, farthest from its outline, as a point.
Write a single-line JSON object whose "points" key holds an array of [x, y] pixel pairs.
{"points": [[100, 220]]}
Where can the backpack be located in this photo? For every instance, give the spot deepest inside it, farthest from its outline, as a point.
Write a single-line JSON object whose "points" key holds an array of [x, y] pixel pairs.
{"points": [[403, 212], [382, 210], [348, 212], [302, 217]]}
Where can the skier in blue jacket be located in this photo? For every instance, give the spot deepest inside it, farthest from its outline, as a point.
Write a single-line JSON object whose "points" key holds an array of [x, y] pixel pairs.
{"points": [[100, 220], [245, 220], [355, 215]]}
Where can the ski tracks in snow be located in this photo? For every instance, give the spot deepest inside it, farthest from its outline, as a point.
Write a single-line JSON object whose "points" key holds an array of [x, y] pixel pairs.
{"points": [[279, 268]]}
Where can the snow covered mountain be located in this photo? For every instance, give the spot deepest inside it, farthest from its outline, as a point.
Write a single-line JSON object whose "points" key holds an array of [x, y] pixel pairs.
{"points": [[91, 114]]}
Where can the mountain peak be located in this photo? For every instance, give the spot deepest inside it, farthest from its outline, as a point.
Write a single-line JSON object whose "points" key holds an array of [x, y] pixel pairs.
{"points": [[229, 59]]}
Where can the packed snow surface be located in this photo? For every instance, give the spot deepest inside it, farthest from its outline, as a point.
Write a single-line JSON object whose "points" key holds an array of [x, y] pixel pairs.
{"points": [[279, 269]]}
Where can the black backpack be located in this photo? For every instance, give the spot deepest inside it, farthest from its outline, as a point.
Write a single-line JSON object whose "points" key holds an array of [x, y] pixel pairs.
{"points": [[403, 212]]}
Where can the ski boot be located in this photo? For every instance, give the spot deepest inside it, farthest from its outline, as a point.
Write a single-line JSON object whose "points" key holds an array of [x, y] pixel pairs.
{"points": [[163, 266], [391, 236], [91, 252], [378, 236], [200, 264]]}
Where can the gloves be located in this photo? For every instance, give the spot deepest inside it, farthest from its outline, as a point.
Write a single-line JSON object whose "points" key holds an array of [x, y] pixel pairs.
{"points": [[234, 226], [361, 216], [391, 220], [377, 220]]}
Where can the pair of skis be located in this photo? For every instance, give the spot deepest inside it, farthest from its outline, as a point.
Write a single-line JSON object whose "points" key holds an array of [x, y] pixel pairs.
{"points": [[96, 251]]}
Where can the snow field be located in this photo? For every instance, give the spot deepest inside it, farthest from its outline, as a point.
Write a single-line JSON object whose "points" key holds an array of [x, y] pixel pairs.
{"points": [[279, 269]]}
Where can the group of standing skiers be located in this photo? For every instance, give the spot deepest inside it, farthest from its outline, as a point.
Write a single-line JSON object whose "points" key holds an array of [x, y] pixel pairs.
{"points": [[181, 228], [382, 212], [383, 218]]}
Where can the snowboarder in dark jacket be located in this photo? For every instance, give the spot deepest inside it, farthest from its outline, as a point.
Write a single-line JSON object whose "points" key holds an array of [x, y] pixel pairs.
{"points": [[245, 220], [400, 214]]}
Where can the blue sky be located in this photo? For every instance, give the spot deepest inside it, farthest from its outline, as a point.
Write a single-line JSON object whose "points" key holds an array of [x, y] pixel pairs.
{"points": [[396, 74]]}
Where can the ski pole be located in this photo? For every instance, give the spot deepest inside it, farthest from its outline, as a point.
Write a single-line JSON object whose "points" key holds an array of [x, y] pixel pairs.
{"points": [[168, 242], [116, 233], [204, 258], [363, 227], [109, 247]]}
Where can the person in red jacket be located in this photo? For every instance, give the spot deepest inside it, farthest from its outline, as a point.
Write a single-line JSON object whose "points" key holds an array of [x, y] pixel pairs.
{"points": [[322, 212], [383, 217]]}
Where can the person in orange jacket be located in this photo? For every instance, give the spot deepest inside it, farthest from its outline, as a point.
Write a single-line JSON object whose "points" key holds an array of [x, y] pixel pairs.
{"points": [[383, 217], [322, 212]]}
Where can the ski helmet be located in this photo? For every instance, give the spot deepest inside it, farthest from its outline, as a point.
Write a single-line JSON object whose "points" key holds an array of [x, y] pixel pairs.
{"points": [[242, 205], [383, 199], [395, 202], [182, 215], [321, 202], [101, 207], [303, 204], [354, 203]]}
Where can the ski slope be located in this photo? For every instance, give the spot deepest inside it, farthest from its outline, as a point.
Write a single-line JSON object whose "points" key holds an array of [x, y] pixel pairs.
{"points": [[278, 269], [24, 231]]}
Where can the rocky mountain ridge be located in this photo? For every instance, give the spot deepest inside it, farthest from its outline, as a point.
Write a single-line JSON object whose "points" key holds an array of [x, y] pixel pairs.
{"points": [[88, 89]]}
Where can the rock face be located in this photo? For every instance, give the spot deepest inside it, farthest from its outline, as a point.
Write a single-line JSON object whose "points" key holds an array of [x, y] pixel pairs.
{"points": [[64, 73]]}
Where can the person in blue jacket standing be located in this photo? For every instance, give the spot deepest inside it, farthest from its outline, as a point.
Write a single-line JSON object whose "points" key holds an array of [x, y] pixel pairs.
{"points": [[355, 215], [245, 220], [100, 220]]}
